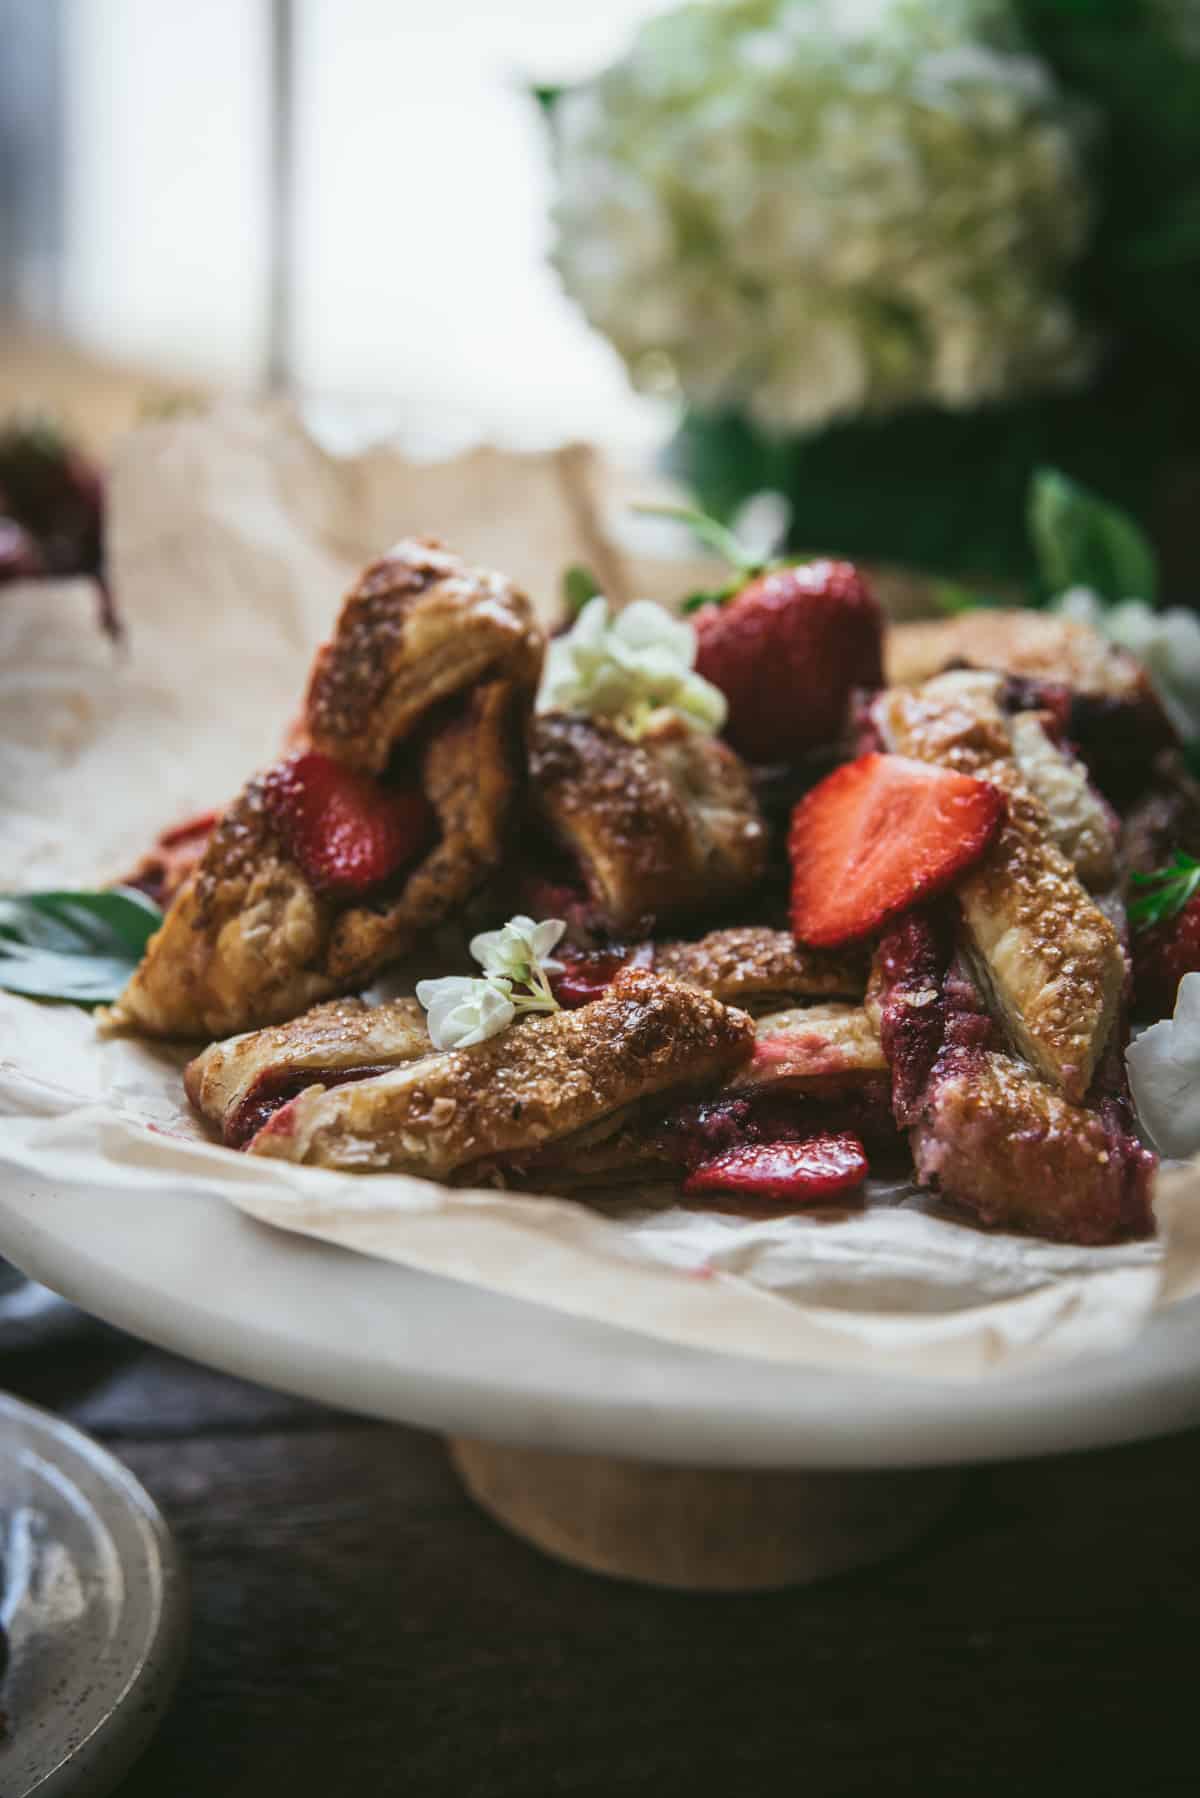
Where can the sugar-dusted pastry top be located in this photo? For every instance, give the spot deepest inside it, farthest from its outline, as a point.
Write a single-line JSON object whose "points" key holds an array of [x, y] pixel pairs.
{"points": [[1048, 957], [474, 1113], [762, 969], [249, 939], [660, 828], [418, 625]]}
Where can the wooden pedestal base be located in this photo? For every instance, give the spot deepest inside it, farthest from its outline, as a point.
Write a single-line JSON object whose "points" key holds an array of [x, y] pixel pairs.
{"points": [[696, 1529]]}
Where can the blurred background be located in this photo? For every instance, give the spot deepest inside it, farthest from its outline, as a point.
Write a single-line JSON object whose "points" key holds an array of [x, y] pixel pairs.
{"points": [[347, 195], [886, 258]]}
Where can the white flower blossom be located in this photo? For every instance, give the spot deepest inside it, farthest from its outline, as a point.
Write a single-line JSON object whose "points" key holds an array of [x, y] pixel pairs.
{"points": [[628, 667], [814, 211], [1164, 1075], [519, 950], [1167, 643], [464, 1011]]}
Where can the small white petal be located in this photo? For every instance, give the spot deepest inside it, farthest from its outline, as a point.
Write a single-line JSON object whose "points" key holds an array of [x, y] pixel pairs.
{"points": [[1164, 1075], [545, 936]]}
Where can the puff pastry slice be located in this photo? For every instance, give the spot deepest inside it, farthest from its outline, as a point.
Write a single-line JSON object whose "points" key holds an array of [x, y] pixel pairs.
{"points": [[1048, 957], [432, 665], [488, 1111], [656, 829]]}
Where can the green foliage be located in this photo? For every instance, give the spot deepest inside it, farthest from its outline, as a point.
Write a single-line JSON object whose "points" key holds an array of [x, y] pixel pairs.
{"points": [[946, 492], [579, 585], [1082, 541], [77, 946], [1164, 893]]}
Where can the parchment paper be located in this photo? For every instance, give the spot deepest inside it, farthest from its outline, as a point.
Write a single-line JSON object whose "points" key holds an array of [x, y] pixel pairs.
{"points": [[232, 538]]}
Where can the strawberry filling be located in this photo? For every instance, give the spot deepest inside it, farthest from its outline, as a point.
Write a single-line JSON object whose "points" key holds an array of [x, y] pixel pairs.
{"points": [[586, 976], [275, 1088], [588, 973], [795, 1174]]}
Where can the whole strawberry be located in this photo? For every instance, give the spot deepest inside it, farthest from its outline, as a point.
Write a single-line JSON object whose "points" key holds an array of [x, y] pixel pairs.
{"points": [[348, 832], [54, 495], [787, 652], [1165, 913], [787, 644]]}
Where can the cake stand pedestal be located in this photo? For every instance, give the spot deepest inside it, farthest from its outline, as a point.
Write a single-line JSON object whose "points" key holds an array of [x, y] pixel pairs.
{"points": [[701, 1529]]}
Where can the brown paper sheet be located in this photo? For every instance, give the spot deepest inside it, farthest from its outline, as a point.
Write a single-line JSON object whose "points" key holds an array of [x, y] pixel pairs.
{"points": [[233, 536]]}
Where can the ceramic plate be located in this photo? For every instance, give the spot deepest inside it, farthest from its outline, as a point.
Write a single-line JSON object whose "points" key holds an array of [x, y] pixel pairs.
{"points": [[194, 1275], [92, 1608]]}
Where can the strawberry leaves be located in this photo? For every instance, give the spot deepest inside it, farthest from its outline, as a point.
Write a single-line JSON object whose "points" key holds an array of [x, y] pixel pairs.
{"points": [[1164, 893], [77, 946]]}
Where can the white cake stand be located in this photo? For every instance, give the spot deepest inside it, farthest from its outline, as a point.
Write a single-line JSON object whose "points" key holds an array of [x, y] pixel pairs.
{"points": [[576, 1434]]}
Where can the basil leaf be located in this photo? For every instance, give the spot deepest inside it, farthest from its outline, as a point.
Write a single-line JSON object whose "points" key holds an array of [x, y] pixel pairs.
{"points": [[78, 946], [1082, 541]]}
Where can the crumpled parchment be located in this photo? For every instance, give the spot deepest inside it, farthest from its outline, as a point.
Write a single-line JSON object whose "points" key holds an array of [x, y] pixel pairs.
{"points": [[232, 537]]}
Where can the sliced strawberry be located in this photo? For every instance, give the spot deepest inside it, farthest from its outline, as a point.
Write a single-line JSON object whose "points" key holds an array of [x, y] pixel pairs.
{"points": [[787, 652], [788, 1173], [877, 836], [348, 832]]}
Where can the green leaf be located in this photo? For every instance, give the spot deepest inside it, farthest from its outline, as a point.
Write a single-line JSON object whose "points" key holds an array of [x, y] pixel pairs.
{"points": [[696, 601], [579, 585], [1164, 893], [710, 531], [78, 946], [1081, 540], [951, 598]]}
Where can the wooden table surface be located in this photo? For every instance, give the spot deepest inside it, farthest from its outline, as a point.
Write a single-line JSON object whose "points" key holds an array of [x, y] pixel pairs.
{"points": [[360, 1629]]}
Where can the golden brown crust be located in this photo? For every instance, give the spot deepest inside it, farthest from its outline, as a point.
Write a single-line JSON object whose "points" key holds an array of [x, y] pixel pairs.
{"points": [[1049, 959], [248, 940], [761, 969], [417, 626], [660, 828], [1038, 645], [472, 1113]]}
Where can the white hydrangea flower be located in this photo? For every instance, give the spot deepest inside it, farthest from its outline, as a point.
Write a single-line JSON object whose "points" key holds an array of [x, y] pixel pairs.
{"points": [[1164, 1075], [628, 667], [814, 211], [464, 1011], [519, 949], [1167, 644]]}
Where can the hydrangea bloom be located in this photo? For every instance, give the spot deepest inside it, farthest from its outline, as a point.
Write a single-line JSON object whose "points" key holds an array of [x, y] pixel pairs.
{"points": [[815, 209], [626, 668]]}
